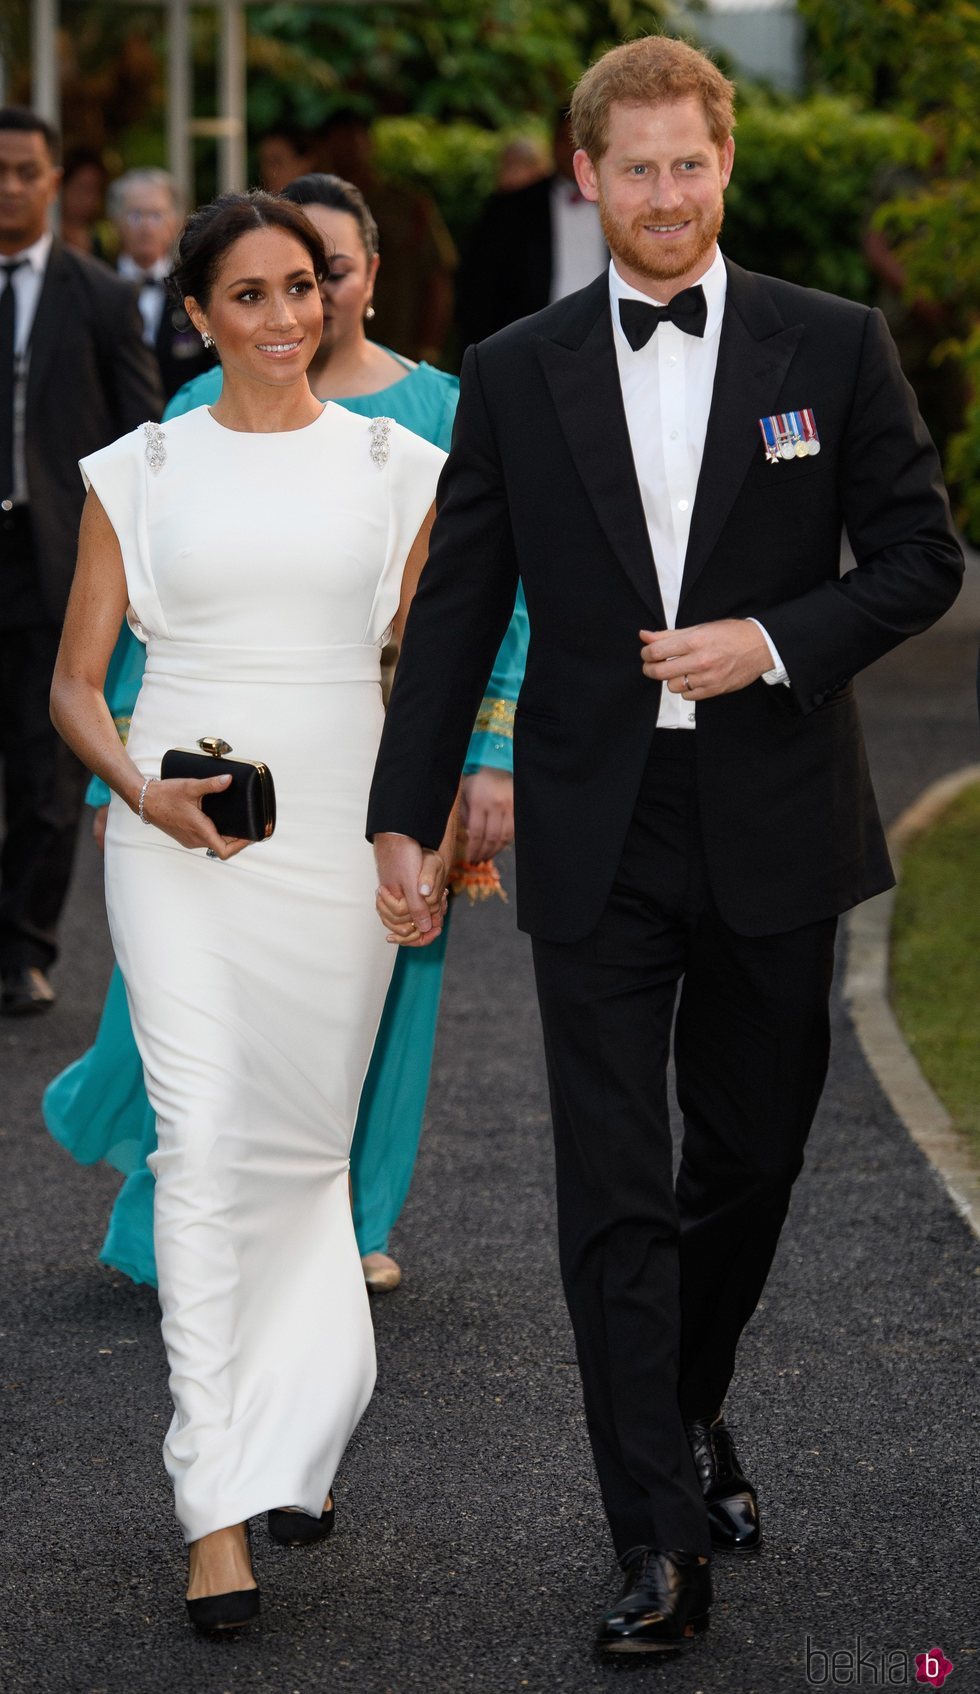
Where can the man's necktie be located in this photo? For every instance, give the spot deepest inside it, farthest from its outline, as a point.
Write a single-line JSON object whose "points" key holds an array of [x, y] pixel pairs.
{"points": [[8, 341], [688, 310]]}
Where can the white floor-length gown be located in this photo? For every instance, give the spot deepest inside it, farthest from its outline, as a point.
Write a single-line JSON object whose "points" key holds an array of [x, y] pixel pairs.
{"points": [[264, 571]]}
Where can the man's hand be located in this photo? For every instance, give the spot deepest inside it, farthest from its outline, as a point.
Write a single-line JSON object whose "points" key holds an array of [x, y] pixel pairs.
{"points": [[709, 659], [486, 812], [100, 818], [411, 899]]}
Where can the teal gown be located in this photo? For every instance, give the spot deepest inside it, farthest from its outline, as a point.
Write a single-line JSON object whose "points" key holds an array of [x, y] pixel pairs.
{"points": [[98, 1108]]}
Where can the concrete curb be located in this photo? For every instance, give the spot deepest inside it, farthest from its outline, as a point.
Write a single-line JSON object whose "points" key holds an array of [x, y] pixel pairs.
{"points": [[884, 1046]]}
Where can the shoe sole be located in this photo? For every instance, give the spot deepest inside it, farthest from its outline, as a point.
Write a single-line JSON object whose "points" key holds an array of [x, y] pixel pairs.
{"points": [[696, 1627]]}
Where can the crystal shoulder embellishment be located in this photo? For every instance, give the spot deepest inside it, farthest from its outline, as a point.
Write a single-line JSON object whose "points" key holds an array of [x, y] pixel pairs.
{"points": [[156, 446], [380, 440]]}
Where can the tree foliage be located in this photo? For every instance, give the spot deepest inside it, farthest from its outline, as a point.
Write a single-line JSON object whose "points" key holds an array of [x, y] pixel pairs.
{"points": [[488, 61], [922, 59]]}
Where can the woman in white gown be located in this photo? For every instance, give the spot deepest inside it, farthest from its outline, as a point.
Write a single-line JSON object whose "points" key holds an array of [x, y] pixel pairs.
{"points": [[264, 549]]}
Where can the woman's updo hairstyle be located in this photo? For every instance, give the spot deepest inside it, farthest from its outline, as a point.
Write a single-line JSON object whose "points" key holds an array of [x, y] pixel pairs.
{"points": [[319, 189], [212, 229]]}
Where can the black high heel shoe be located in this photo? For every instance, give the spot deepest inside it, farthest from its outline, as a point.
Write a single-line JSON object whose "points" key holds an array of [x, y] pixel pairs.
{"points": [[213, 1613], [297, 1529]]}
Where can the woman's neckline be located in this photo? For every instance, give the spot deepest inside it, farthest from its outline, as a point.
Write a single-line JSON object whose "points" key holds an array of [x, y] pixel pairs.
{"points": [[266, 433]]}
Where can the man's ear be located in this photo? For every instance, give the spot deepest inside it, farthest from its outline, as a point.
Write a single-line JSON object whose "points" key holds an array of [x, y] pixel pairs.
{"points": [[727, 160], [585, 175]]}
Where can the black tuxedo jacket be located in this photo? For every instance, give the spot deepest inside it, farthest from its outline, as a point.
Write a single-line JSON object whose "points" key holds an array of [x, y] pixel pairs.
{"points": [[90, 379], [540, 483], [506, 269]]}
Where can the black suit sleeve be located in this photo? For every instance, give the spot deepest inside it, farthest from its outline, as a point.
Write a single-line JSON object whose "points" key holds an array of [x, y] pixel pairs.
{"points": [[909, 565], [129, 368], [457, 621]]}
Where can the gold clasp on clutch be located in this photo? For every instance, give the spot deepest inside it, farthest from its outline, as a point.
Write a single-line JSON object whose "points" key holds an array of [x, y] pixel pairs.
{"points": [[214, 745]]}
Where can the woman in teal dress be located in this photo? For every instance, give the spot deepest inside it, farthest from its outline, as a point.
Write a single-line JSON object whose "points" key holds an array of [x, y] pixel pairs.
{"points": [[97, 1108]]}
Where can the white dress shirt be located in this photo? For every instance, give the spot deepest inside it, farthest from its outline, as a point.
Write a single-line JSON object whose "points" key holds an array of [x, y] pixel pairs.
{"points": [[153, 299], [578, 248], [27, 285], [667, 387]]}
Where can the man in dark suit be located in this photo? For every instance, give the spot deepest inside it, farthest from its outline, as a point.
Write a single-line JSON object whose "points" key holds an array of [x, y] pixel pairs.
{"points": [[146, 209], [530, 246], [74, 374], [666, 459]]}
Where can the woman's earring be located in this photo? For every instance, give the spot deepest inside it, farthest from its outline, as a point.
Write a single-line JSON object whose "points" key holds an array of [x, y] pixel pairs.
{"points": [[369, 314], [207, 339]]}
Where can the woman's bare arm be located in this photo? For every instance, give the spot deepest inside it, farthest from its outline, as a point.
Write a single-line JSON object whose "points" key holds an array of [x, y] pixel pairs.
{"points": [[414, 919], [96, 608]]}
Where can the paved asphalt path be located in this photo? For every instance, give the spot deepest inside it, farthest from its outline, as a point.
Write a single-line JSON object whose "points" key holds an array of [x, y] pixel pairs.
{"points": [[471, 1552]]}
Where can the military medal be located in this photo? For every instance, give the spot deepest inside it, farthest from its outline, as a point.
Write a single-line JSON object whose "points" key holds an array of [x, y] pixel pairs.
{"points": [[767, 426], [789, 435]]}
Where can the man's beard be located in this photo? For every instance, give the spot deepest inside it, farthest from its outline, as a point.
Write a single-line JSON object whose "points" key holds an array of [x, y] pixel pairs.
{"points": [[628, 242]]}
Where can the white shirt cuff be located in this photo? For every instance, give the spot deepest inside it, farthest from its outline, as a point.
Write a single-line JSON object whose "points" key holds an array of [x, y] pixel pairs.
{"points": [[778, 672]]}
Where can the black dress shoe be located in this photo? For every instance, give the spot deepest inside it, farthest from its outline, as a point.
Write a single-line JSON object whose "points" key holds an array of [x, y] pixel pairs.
{"points": [[25, 991], [733, 1510], [298, 1529], [664, 1604]]}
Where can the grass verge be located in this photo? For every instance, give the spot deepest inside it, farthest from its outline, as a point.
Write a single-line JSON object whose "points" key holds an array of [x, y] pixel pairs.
{"points": [[935, 958]]}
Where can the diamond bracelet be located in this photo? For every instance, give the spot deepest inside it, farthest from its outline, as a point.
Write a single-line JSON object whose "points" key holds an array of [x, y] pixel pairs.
{"points": [[139, 809]]}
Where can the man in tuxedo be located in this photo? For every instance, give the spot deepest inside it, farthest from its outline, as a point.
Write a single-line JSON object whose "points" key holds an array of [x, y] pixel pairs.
{"points": [[74, 374], [667, 459], [530, 246], [146, 208]]}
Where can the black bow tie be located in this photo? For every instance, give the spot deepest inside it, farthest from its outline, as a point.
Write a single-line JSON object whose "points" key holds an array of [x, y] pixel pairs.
{"points": [[688, 310]]}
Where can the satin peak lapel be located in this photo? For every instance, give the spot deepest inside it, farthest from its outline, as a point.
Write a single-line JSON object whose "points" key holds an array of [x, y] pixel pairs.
{"points": [[754, 355], [584, 382]]}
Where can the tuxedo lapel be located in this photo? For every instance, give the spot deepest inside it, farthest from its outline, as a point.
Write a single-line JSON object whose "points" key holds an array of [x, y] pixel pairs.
{"points": [[580, 368], [754, 354], [52, 311]]}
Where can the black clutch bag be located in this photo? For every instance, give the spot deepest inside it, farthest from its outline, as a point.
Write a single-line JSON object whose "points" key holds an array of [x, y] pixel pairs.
{"points": [[247, 807]]}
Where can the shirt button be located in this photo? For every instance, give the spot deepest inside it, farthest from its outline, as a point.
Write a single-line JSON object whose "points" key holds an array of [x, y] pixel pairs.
{"points": [[682, 505], [675, 434], [672, 359]]}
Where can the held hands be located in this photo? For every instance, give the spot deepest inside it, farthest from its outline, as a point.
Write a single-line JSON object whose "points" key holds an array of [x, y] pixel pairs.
{"points": [[708, 659], [175, 807], [411, 900], [486, 812]]}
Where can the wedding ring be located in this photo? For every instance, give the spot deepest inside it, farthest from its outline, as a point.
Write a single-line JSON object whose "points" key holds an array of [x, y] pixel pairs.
{"points": [[687, 683]]}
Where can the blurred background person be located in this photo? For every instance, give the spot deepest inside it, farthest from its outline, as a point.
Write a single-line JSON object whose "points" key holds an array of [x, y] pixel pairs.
{"points": [[74, 374], [147, 211], [284, 153], [98, 1108], [530, 246], [84, 225], [523, 161], [412, 307]]}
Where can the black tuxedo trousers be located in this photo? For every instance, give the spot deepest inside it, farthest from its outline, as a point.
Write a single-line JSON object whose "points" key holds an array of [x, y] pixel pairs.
{"points": [[660, 1278]]}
